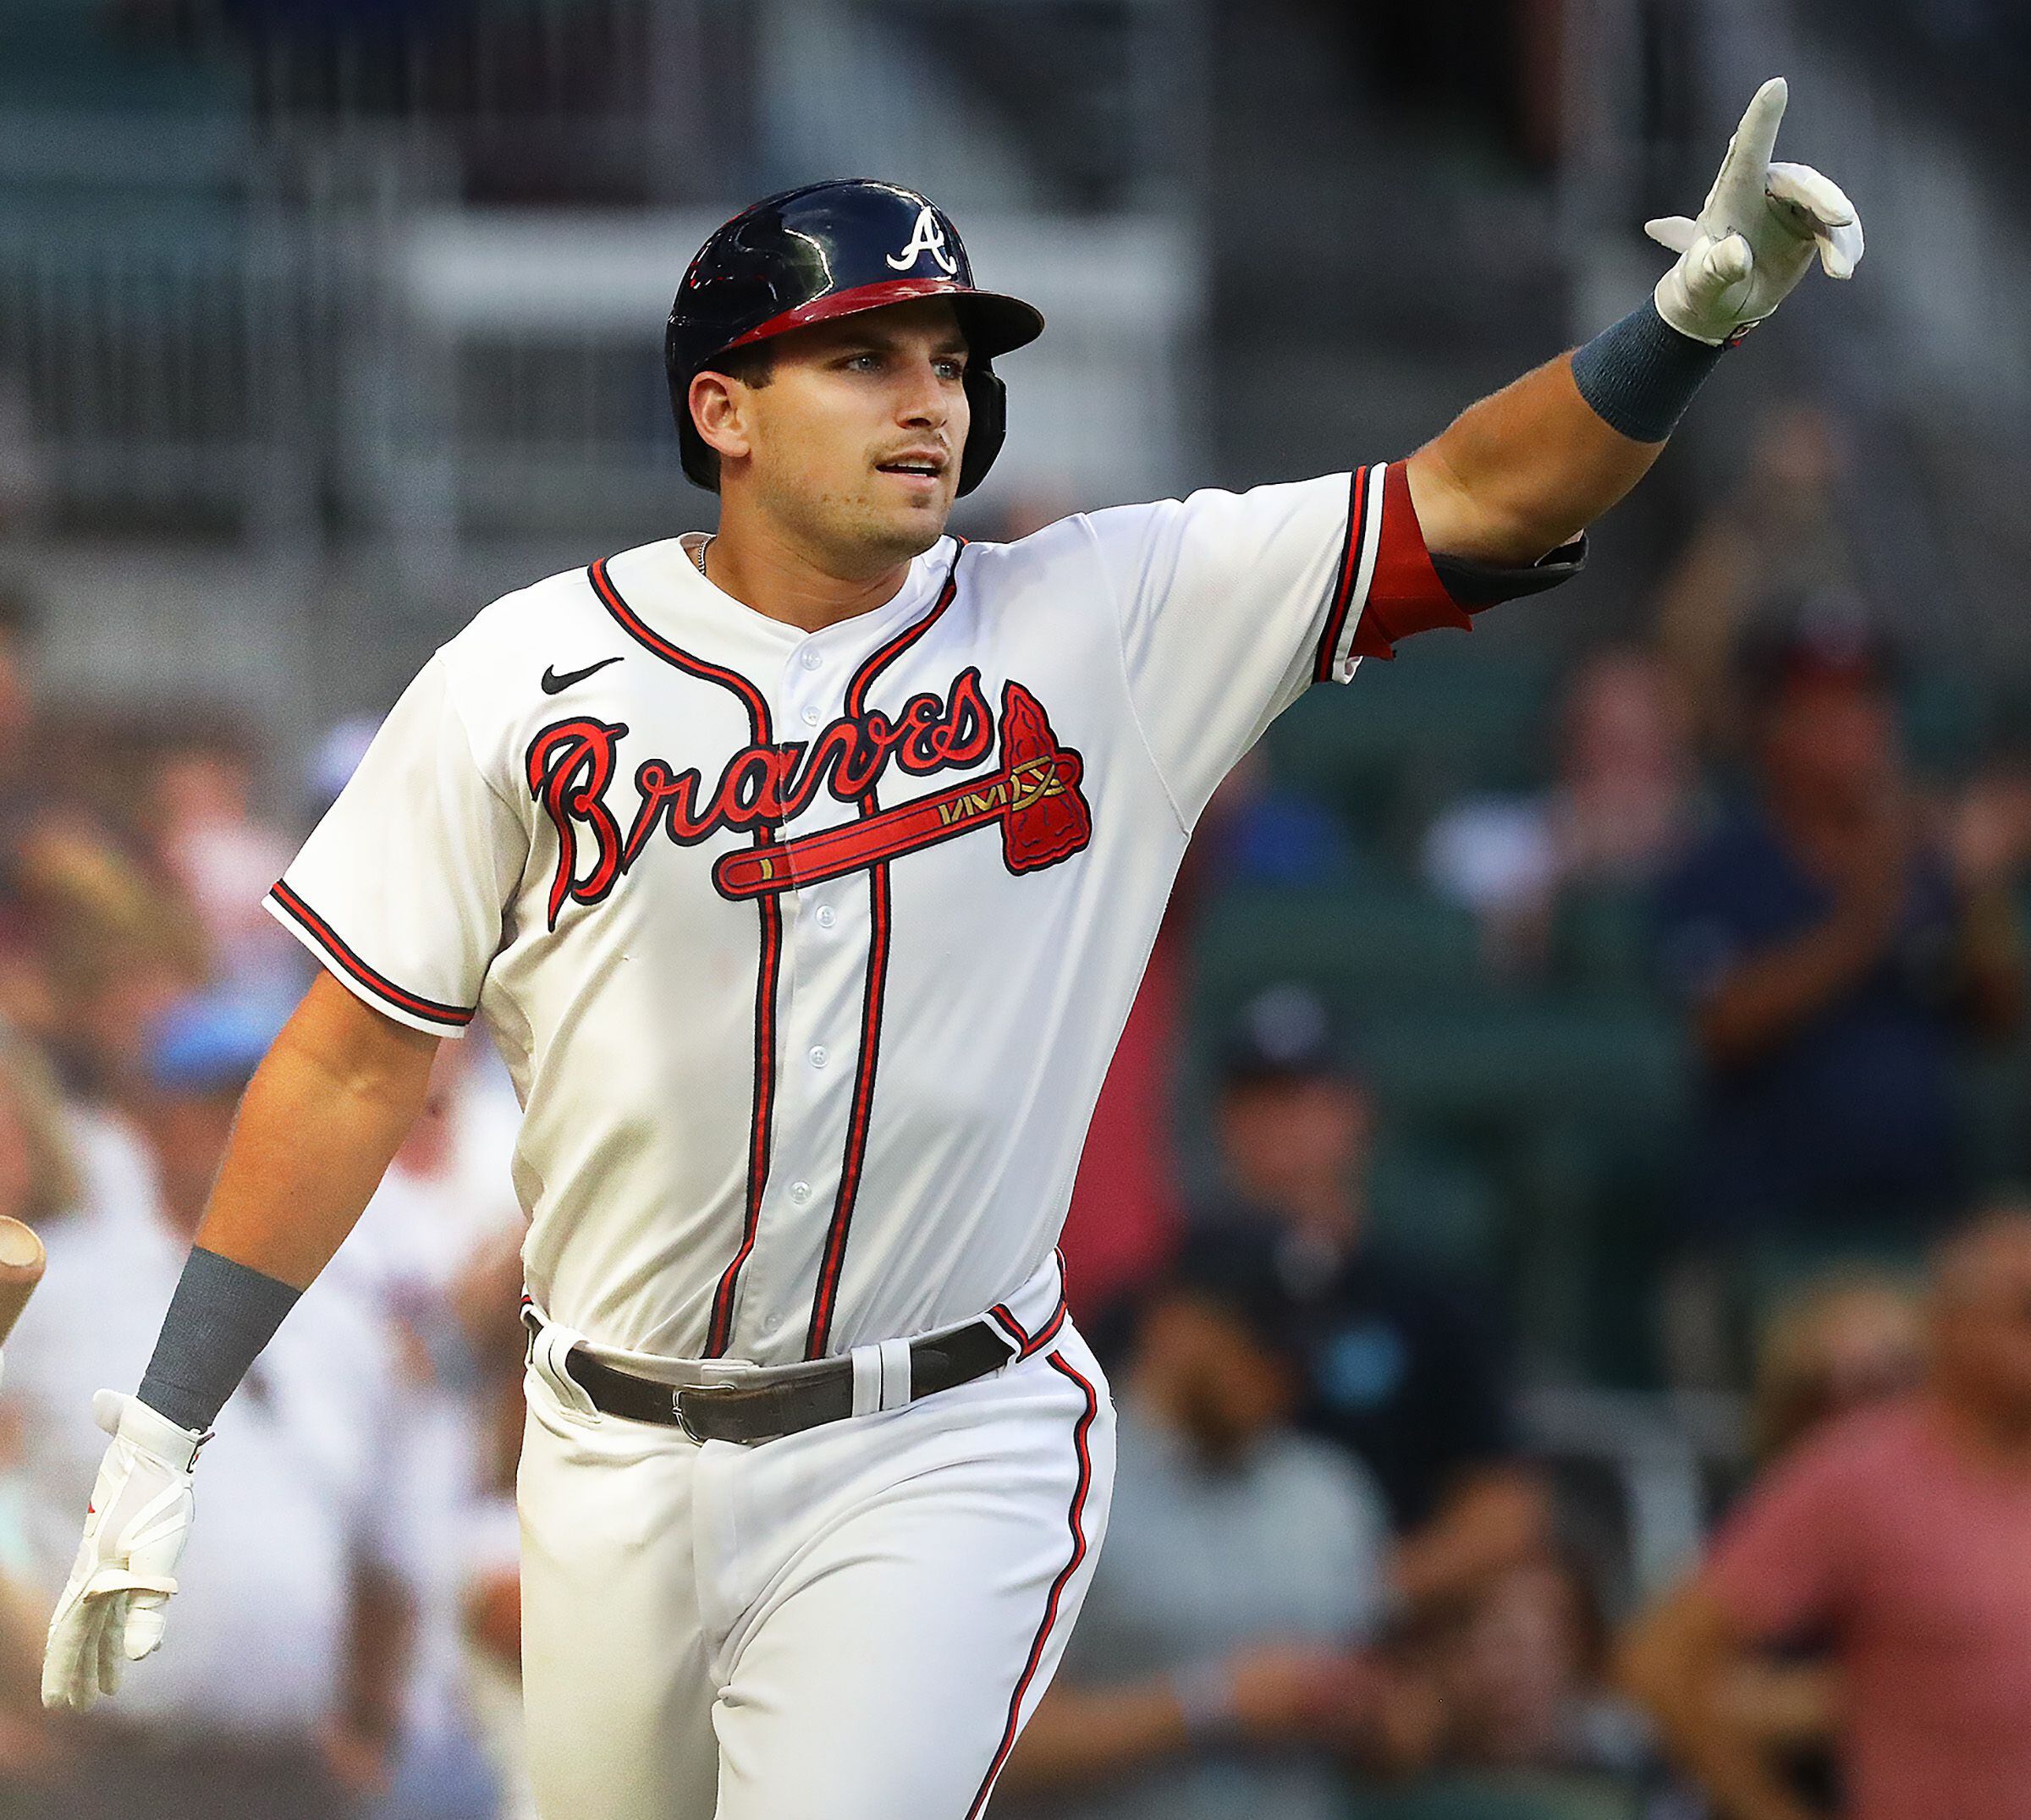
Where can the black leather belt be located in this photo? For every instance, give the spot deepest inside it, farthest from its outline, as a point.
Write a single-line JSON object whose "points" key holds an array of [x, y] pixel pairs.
{"points": [[791, 1398]]}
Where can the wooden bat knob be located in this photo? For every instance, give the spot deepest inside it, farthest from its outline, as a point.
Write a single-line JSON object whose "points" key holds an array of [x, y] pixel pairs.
{"points": [[21, 1263]]}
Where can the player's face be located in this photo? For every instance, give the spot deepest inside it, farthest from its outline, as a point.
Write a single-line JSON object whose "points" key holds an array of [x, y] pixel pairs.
{"points": [[852, 447]]}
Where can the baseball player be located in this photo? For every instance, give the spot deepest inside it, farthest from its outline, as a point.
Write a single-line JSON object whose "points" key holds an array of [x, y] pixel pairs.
{"points": [[803, 873]]}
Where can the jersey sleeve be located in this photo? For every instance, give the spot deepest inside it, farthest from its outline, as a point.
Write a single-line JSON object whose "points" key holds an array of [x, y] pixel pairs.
{"points": [[401, 890], [1232, 604]]}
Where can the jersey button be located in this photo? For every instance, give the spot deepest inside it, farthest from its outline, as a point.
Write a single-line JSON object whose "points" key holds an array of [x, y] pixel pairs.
{"points": [[799, 1192], [820, 1055], [810, 716], [827, 915], [771, 1322], [810, 660]]}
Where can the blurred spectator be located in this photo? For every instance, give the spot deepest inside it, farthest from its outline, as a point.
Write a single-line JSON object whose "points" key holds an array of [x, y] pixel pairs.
{"points": [[1623, 803], [1833, 964], [1258, 830], [1523, 1674], [208, 840], [1782, 531], [116, 951], [1400, 1368], [278, 1692], [1844, 1342], [1897, 1535], [1218, 1666], [41, 1182]]}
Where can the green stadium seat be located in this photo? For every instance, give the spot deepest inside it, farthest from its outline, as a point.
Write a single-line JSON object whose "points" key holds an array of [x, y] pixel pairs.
{"points": [[1619, 1069], [1443, 1204], [1520, 1795], [1601, 943], [1361, 947], [1409, 736]]}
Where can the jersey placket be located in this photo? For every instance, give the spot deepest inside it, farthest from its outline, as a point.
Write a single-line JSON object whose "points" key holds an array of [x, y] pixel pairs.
{"points": [[826, 933], [837, 936]]}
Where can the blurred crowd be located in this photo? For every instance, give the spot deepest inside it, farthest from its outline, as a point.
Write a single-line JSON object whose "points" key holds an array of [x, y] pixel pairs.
{"points": [[346, 1640], [1342, 1579]]}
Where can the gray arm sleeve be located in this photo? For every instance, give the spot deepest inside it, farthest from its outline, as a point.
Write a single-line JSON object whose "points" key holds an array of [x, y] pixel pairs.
{"points": [[221, 1317]]}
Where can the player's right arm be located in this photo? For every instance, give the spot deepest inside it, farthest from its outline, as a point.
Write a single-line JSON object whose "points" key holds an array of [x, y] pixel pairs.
{"points": [[322, 1119], [318, 1125]]}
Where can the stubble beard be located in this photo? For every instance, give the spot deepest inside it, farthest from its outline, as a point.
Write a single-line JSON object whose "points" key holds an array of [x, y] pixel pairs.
{"points": [[850, 536]]}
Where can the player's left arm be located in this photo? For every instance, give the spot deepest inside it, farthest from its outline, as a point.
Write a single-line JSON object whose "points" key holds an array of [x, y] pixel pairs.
{"points": [[1522, 473]]}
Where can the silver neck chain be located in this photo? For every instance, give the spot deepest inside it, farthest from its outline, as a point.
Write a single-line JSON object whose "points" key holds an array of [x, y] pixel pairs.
{"points": [[698, 554]]}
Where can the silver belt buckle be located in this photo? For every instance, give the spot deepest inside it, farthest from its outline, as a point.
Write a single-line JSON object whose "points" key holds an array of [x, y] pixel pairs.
{"points": [[680, 1392]]}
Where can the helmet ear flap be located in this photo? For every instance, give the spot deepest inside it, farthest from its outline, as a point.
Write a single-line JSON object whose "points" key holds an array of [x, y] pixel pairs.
{"points": [[987, 398]]}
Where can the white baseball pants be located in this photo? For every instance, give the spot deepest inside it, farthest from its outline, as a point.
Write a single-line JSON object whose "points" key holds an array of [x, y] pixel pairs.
{"points": [[849, 1624]]}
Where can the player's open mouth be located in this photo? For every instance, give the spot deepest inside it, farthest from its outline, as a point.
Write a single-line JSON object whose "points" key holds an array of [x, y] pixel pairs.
{"points": [[926, 469]]}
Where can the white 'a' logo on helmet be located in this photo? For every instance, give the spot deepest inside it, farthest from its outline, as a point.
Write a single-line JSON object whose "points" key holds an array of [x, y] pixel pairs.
{"points": [[926, 237]]}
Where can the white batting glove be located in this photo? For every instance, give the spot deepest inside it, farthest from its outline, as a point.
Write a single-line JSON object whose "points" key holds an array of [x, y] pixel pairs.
{"points": [[135, 1531], [1756, 235]]}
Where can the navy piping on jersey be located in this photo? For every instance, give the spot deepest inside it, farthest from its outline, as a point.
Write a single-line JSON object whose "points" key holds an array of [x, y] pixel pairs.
{"points": [[1352, 551], [453, 1017], [1076, 1520], [825, 1297], [766, 970]]}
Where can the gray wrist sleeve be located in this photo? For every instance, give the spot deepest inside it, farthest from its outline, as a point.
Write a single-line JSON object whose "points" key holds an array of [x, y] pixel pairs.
{"points": [[221, 1317], [1640, 374]]}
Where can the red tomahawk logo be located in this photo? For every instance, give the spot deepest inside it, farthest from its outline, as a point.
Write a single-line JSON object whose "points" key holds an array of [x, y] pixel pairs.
{"points": [[1034, 797]]}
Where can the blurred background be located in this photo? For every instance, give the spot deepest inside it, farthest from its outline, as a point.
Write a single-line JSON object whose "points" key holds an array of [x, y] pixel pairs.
{"points": [[1568, 1046]]}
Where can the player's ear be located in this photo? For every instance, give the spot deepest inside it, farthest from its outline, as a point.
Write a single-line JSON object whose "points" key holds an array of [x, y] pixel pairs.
{"points": [[717, 408]]}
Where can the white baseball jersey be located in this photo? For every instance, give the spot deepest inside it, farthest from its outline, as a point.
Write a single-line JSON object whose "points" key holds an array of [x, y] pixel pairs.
{"points": [[807, 951]]}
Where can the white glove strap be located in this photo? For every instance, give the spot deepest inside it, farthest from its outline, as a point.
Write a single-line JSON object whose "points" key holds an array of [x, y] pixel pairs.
{"points": [[148, 1432]]}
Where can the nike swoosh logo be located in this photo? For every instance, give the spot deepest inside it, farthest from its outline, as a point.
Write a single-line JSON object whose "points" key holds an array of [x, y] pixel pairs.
{"points": [[555, 684]]}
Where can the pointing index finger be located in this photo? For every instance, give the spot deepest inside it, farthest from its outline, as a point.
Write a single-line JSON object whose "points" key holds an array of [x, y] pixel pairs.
{"points": [[1756, 138]]}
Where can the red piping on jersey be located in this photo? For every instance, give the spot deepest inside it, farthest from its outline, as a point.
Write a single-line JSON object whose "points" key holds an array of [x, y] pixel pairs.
{"points": [[1026, 1342], [1076, 1517], [767, 966], [456, 1017], [825, 1298]]}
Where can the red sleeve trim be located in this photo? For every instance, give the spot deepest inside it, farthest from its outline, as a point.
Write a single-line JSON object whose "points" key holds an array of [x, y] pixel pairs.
{"points": [[1406, 595], [456, 1017]]}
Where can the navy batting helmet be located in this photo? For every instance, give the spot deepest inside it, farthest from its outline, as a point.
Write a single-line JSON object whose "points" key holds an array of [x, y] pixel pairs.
{"points": [[830, 250]]}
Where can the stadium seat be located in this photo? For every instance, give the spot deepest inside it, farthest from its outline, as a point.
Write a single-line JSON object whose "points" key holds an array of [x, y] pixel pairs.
{"points": [[1618, 1067], [1522, 1795], [1361, 947], [1410, 735], [1443, 1204]]}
